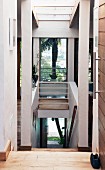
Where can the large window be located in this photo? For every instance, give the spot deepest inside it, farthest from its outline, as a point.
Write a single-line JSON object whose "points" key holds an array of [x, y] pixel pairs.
{"points": [[53, 59]]}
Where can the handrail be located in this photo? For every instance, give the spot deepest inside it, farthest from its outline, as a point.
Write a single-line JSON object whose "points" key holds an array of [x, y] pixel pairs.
{"points": [[52, 82], [72, 124], [53, 67], [45, 74]]}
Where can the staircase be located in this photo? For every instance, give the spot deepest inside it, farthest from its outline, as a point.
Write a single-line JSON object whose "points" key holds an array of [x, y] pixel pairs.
{"points": [[53, 100]]}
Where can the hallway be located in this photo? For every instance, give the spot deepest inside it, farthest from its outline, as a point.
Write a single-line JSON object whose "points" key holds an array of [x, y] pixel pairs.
{"points": [[47, 160]]}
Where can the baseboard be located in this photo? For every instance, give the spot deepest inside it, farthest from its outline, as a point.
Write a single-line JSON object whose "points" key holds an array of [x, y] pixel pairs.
{"points": [[2, 156], [97, 150], [24, 148], [84, 149], [5, 153]]}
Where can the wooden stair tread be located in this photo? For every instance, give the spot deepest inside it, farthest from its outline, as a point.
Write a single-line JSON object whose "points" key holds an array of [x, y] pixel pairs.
{"points": [[53, 100], [55, 149], [53, 107], [53, 104]]}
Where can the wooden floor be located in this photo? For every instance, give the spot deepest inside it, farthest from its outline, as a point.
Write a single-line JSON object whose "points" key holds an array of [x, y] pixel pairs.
{"points": [[46, 160]]}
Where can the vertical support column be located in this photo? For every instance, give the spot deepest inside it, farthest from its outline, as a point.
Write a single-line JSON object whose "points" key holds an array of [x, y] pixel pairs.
{"points": [[1, 78], [71, 59], [26, 19], [18, 68], [84, 18]]}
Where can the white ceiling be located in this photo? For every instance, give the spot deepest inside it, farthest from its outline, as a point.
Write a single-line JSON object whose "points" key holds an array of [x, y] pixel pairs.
{"points": [[53, 9]]}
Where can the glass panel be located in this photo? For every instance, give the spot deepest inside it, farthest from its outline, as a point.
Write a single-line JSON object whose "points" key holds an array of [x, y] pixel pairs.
{"points": [[53, 59]]}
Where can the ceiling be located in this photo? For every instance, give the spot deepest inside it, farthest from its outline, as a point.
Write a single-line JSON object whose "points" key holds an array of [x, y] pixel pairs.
{"points": [[53, 9]]}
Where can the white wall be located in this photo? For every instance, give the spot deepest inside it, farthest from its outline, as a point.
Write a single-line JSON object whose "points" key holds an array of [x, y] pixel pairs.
{"points": [[8, 76], [36, 133], [73, 102], [34, 116], [35, 97], [1, 78], [54, 29], [53, 113]]}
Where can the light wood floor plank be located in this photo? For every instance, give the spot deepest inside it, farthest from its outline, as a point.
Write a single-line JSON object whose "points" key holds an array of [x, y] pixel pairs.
{"points": [[40, 160]]}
